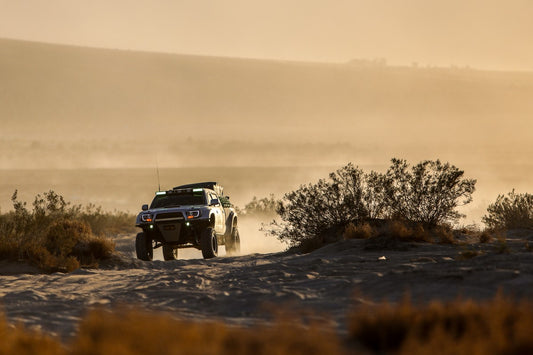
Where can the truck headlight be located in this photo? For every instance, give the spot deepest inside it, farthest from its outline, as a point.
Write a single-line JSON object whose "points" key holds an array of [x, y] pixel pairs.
{"points": [[193, 214], [146, 217]]}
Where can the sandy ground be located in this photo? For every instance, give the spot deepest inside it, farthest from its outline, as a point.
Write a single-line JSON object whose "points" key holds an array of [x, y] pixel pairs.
{"points": [[245, 289]]}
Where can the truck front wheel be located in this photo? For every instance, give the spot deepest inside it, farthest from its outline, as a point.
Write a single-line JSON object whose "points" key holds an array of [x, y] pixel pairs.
{"points": [[144, 247]]}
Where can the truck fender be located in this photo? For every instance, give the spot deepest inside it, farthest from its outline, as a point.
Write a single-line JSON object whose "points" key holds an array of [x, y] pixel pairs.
{"points": [[231, 221]]}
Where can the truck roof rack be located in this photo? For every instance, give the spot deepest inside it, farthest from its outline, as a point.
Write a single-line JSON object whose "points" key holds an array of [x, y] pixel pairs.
{"points": [[212, 185]]}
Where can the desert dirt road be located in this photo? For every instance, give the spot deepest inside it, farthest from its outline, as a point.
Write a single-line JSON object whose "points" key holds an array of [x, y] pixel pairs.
{"points": [[247, 289]]}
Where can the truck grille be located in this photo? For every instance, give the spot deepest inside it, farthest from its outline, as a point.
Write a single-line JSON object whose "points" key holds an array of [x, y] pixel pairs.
{"points": [[170, 216]]}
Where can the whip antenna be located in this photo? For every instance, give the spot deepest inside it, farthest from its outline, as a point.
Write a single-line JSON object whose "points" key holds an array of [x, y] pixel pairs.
{"points": [[157, 168]]}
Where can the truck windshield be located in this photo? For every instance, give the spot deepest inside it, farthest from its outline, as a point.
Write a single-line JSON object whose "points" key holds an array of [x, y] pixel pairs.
{"points": [[182, 199]]}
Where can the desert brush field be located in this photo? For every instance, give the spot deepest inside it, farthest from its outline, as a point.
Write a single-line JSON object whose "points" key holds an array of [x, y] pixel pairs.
{"points": [[365, 283]]}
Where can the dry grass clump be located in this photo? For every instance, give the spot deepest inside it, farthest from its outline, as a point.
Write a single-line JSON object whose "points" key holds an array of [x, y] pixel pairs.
{"points": [[399, 231], [363, 231], [55, 236], [499, 326], [131, 332], [20, 341], [407, 232]]}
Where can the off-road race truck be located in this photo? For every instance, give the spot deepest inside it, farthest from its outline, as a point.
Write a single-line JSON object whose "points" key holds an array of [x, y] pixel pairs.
{"points": [[188, 216]]}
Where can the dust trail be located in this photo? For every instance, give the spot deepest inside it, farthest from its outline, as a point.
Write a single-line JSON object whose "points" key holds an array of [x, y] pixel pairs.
{"points": [[255, 241]]}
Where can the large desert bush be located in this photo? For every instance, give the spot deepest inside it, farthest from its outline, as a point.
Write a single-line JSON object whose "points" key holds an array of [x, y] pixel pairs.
{"points": [[312, 210], [426, 194], [513, 210], [57, 236]]}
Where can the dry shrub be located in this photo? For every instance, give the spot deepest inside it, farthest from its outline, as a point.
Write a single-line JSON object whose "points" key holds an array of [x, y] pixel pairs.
{"points": [[71, 244], [499, 326], [363, 231], [49, 262], [91, 250], [407, 232], [64, 235], [56, 236], [514, 210]]}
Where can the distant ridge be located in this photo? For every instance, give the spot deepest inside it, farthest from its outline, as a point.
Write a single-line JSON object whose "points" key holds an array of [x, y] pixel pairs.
{"points": [[138, 51], [84, 93]]}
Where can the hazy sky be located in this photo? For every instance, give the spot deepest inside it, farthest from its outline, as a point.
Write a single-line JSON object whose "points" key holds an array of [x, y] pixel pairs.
{"points": [[491, 34]]}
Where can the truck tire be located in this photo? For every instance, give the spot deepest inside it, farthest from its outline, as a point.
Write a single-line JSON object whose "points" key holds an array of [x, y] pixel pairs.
{"points": [[170, 252], [144, 247], [233, 245], [209, 243]]}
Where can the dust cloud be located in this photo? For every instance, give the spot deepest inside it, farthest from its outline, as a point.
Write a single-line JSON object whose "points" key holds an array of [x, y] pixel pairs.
{"points": [[255, 241], [252, 241], [94, 124]]}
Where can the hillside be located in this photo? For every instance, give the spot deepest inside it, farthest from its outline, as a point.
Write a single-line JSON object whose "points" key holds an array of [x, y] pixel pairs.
{"points": [[66, 92]]}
